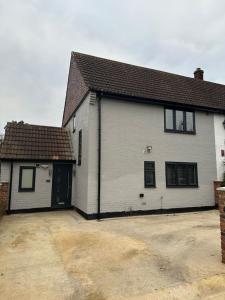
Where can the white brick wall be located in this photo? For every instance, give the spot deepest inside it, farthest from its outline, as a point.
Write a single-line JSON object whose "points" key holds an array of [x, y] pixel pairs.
{"points": [[42, 195], [126, 129], [80, 181], [5, 172], [219, 144]]}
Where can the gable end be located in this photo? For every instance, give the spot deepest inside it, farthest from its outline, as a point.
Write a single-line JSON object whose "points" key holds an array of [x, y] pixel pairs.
{"points": [[76, 90]]}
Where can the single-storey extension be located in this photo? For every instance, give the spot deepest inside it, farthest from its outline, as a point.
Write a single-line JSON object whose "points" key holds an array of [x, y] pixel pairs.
{"points": [[37, 164]]}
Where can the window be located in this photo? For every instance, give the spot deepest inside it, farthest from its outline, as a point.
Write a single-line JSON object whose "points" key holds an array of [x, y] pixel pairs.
{"points": [[179, 121], [74, 123], [181, 174], [169, 119], [79, 147], [149, 173], [27, 179]]}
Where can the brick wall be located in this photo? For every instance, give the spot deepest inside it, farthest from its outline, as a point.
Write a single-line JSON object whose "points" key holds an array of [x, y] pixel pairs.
{"points": [[4, 188], [221, 196], [217, 184], [76, 89]]}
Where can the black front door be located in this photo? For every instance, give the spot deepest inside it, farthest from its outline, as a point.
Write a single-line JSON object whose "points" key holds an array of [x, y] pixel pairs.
{"points": [[61, 185]]}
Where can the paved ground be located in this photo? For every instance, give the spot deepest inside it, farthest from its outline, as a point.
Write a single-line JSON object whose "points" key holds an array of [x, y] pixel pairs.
{"points": [[58, 255]]}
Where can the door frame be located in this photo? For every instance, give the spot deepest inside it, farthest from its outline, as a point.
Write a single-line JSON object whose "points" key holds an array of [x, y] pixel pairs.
{"points": [[70, 167]]}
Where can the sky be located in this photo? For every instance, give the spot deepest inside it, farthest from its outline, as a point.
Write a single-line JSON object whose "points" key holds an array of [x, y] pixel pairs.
{"points": [[37, 37]]}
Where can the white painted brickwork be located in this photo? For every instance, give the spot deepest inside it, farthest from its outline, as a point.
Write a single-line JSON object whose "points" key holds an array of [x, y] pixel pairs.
{"points": [[42, 195], [80, 181], [127, 128], [5, 172], [219, 144]]}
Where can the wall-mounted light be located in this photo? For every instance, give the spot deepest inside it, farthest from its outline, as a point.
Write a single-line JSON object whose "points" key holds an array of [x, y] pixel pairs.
{"points": [[44, 166], [148, 149]]}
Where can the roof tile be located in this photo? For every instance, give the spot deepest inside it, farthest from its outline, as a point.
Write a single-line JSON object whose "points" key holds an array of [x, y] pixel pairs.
{"points": [[124, 79], [25, 141]]}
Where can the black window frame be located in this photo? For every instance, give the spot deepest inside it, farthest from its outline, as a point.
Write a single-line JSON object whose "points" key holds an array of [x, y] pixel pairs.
{"points": [[32, 189], [146, 169], [186, 164], [79, 147], [174, 130]]}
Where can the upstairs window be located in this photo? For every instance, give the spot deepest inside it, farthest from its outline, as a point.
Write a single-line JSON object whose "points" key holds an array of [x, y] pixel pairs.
{"points": [[27, 179], [79, 147], [179, 121]]}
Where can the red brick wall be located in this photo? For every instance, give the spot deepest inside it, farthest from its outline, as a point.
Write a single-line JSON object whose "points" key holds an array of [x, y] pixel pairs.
{"points": [[221, 195], [4, 190], [216, 194], [76, 89]]}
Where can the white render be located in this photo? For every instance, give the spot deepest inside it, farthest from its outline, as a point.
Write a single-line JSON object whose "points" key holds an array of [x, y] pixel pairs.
{"points": [[5, 171], [40, 198], [127, 128], [80, 181], [219, 144]]}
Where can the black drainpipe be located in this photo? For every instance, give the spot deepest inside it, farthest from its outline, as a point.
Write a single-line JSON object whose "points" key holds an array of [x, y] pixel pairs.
{"points": [[10, 187], [99, 96]]}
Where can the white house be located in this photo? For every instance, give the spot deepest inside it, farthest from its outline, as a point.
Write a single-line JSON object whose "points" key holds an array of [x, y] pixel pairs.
{"points": [[140, 141], [145, 140]]}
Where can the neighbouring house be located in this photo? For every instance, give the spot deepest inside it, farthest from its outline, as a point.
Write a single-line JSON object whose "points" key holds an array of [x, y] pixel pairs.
{"points": [[37, 165], [144, 141]]}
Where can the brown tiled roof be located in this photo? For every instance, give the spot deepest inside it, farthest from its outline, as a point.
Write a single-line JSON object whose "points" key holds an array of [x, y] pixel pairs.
{"points": [[25, 141], [133, 81]]}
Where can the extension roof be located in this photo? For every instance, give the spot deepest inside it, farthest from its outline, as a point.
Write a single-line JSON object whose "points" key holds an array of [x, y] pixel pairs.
{"points": [[117, 78], [34, 142]]}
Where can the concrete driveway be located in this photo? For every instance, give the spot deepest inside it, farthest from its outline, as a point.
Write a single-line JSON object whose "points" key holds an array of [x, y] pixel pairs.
{"points": [[59, 255]]}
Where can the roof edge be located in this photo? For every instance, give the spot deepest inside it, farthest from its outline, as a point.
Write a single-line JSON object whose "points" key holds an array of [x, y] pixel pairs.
{"points": [[37, 160], [151, 101], [145, 68]]}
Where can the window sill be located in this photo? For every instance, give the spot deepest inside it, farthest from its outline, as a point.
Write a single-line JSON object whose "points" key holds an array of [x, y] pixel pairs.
{"points": [[182, 186], [151, 187], [180, 131], [26, 190]]}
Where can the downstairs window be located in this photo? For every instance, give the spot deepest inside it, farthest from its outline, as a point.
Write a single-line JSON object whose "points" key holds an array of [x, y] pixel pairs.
{"points": [[179, 174], [27, 179]]}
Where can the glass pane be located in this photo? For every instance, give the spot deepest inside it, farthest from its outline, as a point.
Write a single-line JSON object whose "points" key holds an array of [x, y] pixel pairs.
{"points": [[150, 177], [192, 176], [169, 119], [181, 175], [189, 121], [171, 175], [179, 120], [27, 179], [149, 173]]}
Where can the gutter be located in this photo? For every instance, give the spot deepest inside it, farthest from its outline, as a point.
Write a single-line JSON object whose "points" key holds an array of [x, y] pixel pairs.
{"points": [[99, 97], [161, 102], [10, 187]]}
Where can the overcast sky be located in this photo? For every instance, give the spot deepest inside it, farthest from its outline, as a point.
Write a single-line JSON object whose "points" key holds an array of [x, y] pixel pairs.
{"points": [[37, 37]]}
